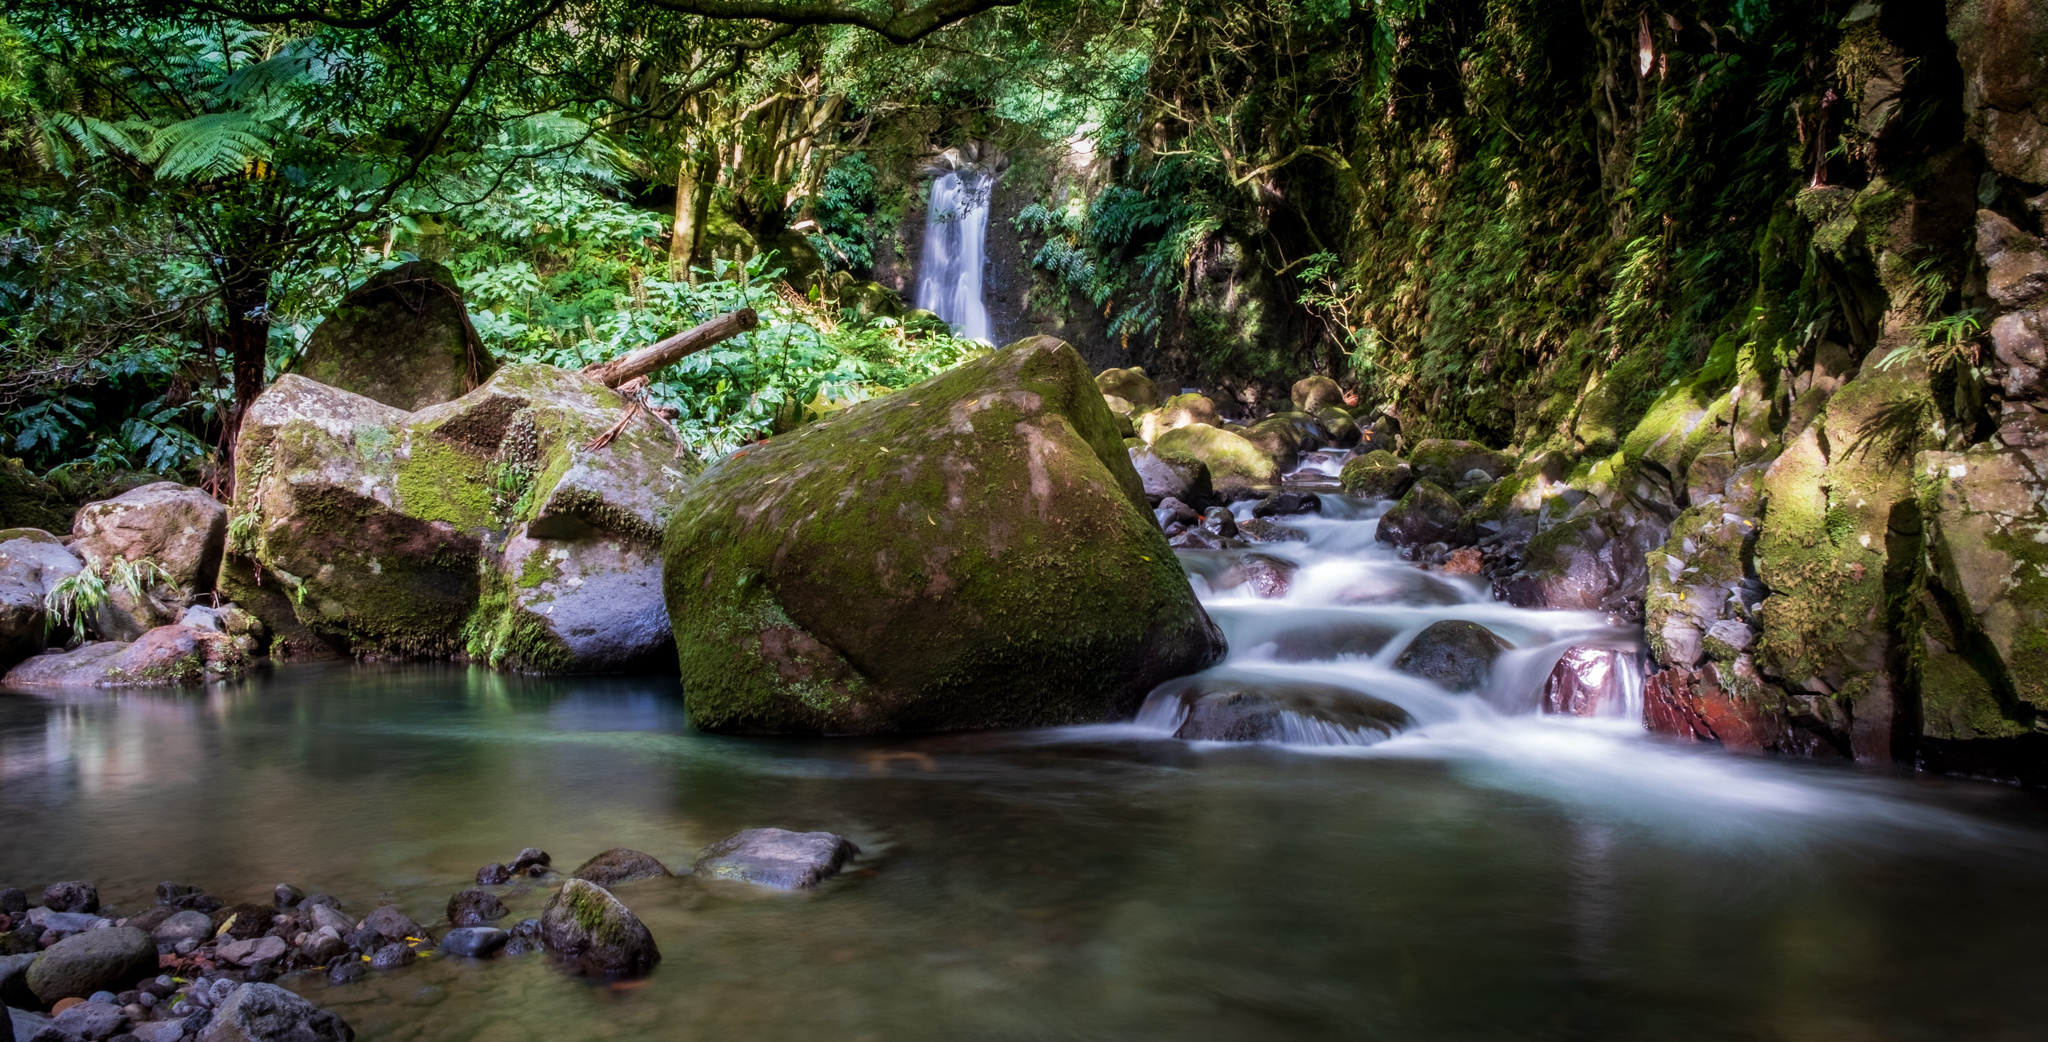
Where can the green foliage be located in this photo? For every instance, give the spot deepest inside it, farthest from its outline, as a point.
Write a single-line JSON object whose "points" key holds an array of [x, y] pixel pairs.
{"points": [[842, 208], [72, 600]]}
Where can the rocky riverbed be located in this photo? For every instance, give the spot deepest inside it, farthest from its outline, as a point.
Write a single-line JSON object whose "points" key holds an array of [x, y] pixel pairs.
{"points": [[194, 966]]}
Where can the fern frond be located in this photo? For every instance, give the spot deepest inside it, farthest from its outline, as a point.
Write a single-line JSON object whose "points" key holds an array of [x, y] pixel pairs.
{"points": [[218, 144]]}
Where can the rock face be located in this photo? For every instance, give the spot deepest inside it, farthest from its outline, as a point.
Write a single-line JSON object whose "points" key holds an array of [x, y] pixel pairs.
{"points": [[972, 552], [96, 960], [181, 529], [1454, 654], [482, 528], [403, 338], [31, 561], [618, 866], [268, 1013], [590, 933], [776, 858]]}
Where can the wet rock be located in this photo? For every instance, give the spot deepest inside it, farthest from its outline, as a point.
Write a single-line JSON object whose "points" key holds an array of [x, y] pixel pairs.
{"points": [[1196, 539], [475, 942], [1376, 475], [252, 950], [493, 874], [1175, 413], [402, 339], [13, 901], [64, 924], [1453, 654], [81, 964], [328, 917], [321, 946], [1589, 681], [1285, 504], [1266, 530], [392, 956], [71, 897], [183, 925], [287, 895], [1427, 514], [776, 858], [529, 859], [159, 1031], [1226, 709], [89, 1022], [1235, 464], [14, 980], [177, 895], [1341, 428], [347, 971], [1261, 575], [182, 530], [475, 908], [1182, 478], [392, 924], [1218, 521], [1174, 512], [780, 628], [526, 937], [1464, 561], [590, 933], [619, 866], [268, 1013]]}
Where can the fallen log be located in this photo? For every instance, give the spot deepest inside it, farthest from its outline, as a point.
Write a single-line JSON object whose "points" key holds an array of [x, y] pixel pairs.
{"points": [[645, 360]]}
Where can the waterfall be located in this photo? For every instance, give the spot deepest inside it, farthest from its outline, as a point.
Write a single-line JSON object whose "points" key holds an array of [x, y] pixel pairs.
{"points": [[955, 232]]}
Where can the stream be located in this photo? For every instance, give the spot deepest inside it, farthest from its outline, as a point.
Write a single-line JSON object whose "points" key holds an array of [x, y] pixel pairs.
{"points": [[1491, 871]]}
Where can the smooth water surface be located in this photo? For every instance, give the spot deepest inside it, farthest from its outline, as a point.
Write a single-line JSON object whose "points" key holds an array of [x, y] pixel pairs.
{"points": [[1489, 874]]}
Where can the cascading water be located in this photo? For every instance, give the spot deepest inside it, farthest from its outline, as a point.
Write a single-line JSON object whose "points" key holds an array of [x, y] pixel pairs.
{"points": [[1316, 665], [950, 269]]}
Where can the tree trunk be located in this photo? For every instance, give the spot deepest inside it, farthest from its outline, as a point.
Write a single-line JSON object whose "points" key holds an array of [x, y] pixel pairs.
{"points": [[684, 233], [645, 360], [245, 296]]}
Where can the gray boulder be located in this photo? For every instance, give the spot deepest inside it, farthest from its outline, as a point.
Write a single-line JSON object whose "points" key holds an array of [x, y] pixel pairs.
{"points": [[31, 561], [475, 942], [776, 858], [403, 338], [268, 1013], [96, 960], [1454, 654], [590, 933], [71, 896], [618, 866], [181, 529]]}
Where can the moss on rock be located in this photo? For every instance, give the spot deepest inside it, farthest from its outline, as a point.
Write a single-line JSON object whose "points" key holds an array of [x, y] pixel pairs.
{"points": [[1376, 475], [1234, 463], [973, 552]]}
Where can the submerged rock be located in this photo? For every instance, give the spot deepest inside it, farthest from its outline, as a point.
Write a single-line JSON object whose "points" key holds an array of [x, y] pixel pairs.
{"points": [[618, 866], [1231, 709], [1589, 681], [1267, 530], [590, 933], [475, 942], [1261, 575], [475, 908], [483, 528], [403, 338], [776, 858], [972, 552], [1453, 654]]}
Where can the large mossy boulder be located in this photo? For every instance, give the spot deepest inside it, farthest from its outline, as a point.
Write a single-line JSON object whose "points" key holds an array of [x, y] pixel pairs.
{"points": [[1447, 461], [973, 552], [484, 528], [402, 338], [1376, 475], [1235, 464], [1426, 514]]}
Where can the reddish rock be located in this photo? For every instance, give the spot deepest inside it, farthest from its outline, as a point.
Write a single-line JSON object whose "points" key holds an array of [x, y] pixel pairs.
{"points": [[1465, 561], [1688, 704], [1589, 681]]}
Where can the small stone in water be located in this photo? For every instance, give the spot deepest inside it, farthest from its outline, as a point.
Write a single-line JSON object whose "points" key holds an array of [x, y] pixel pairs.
{"points": [[177, 894], [391, 957], [475, 908], [13, 902], [347, 972], [530, 857], [776, 857], [476, 942], [288, 896], [493, 874]]}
